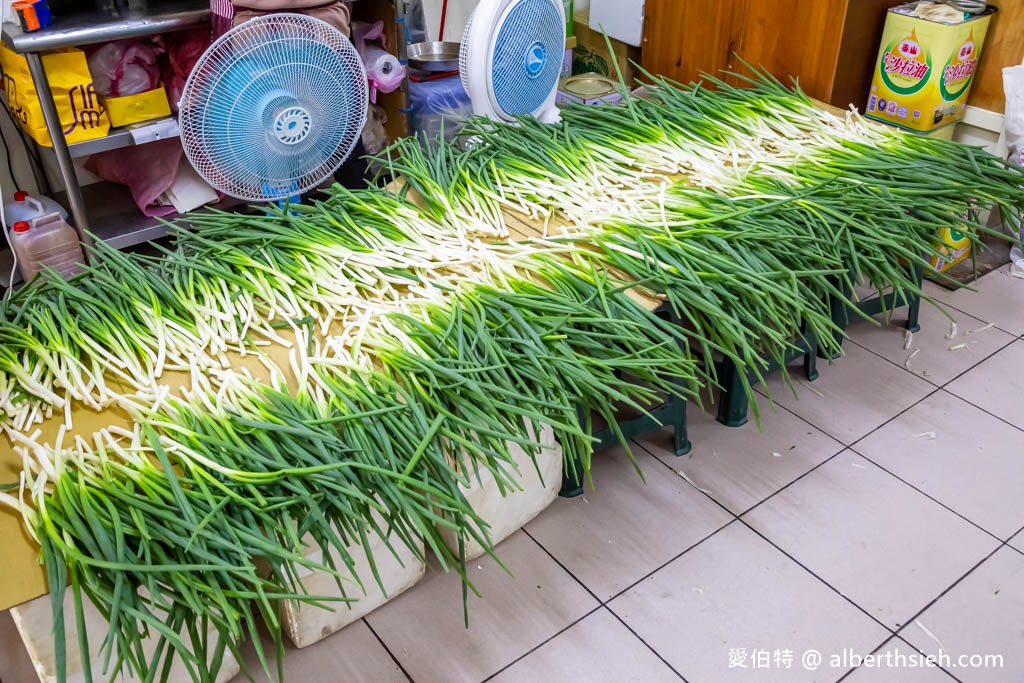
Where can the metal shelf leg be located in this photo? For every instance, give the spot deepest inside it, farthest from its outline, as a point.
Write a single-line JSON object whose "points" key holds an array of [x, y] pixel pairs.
{"points": [[76, 205]]}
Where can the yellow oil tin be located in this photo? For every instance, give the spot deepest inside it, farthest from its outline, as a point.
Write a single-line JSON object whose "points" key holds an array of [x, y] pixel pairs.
{"points": [[925, 69], [953, 247]]}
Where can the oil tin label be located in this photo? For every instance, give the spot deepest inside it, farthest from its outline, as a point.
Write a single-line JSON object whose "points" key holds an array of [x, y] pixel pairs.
{"points": [[906, 65], [953, 247], [959, 71]]}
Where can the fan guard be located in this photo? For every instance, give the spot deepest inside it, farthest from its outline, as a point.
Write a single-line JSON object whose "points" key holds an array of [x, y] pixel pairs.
{"points": [[511, 58], [273, 107]]}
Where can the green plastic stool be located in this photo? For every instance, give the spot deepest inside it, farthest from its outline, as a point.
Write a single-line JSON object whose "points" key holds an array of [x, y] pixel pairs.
{"points": [[671, 413], [732, 402], [840, 308]]}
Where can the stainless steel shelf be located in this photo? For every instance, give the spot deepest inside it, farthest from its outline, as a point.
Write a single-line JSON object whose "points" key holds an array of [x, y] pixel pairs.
{"points": [[137, 134], [116, 220], [86, 28]]}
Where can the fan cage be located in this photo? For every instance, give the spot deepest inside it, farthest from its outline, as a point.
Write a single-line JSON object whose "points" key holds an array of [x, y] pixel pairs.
{"points": [[530, 31], [464, 60], [274, 107]]}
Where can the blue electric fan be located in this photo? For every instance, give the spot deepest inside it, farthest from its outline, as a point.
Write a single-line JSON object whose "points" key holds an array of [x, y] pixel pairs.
{"points": [[274, 107], [511, 58]]}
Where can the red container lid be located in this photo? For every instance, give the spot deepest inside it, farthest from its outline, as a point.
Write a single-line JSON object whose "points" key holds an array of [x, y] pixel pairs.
{"points": [[20, 196], [22, 226]]}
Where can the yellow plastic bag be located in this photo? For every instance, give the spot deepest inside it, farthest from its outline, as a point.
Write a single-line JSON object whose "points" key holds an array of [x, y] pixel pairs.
{"points": [[81, 114]]}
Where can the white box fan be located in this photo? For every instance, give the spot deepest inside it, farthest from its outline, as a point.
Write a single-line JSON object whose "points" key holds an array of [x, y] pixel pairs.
{"points": [[511, 58], [274, 107]]}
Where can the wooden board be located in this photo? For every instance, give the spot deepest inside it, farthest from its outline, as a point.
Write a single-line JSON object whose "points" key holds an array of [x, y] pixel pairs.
{"points": [[21, 576], [1004, 46], [831, 45], [790, 38], [686, 38], [858, 52]]}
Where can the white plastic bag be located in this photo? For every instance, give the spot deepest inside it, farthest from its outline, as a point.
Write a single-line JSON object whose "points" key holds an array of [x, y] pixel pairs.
{"points": [[1013, 86]]}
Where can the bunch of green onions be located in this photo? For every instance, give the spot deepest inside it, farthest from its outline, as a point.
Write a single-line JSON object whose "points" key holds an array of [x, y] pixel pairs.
{"points": [[343, 369]]}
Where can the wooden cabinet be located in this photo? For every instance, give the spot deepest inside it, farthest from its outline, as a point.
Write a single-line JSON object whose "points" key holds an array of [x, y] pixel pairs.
{"points": [[1004, 46], [830, 45]]}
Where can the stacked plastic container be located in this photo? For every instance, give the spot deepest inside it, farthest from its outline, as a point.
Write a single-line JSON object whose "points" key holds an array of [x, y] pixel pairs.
{"points": [[41, 237]]}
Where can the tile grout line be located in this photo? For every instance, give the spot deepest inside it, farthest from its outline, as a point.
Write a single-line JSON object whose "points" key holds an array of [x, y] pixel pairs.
{"points": [[744, 523], [976, 293], [388, 650], [662, 566], [562, 566], [930, 497], [843, 447], [901, 413], [646, 644], [925, 379], [934, 390], [674, 471], [945, 592], [541, 644], [893, 634], [974, 405], [819, 578], [1001, 542], [937, 389], [903, 642], [849, 673], [850, 447], [737, 517], [940, 389]]}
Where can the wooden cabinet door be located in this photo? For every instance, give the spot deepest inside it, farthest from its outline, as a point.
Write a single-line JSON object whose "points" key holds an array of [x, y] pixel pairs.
{"points": [[791, 38], [684, 38], [787, 37]]}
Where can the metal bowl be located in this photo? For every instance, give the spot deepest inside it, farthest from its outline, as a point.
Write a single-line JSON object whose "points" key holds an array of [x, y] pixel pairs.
{"points": [[434, 56]]}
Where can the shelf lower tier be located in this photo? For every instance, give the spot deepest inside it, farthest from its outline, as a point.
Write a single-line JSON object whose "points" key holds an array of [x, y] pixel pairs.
{"points": [[116, 220]]}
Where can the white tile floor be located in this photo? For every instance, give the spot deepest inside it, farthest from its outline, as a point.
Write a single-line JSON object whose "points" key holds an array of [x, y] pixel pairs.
{"points": [[880, 512]]}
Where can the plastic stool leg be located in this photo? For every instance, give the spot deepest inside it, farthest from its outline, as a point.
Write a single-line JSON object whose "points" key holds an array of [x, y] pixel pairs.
{"points": [[682, 441], [840, 314], [572, 480], [732, 402], [811, 364], [810, 340], [572, 473], [914, 308]]}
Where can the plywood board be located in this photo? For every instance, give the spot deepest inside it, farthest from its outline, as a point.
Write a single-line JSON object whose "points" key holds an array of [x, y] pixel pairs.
{"points": [[1004, 46]]}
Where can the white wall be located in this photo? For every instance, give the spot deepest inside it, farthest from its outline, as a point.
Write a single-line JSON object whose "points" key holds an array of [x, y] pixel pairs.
{"points": [[455, 21], [458, 15]]}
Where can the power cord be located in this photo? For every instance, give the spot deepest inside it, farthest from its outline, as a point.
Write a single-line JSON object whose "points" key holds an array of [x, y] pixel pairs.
{"points": [[10, 241], [35, 162], [7, 151]]}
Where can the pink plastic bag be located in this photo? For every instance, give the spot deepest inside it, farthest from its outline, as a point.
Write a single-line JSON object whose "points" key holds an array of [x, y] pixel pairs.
{"points": [[184, 48], [126, 67], [383, 70], [147, 170]]}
